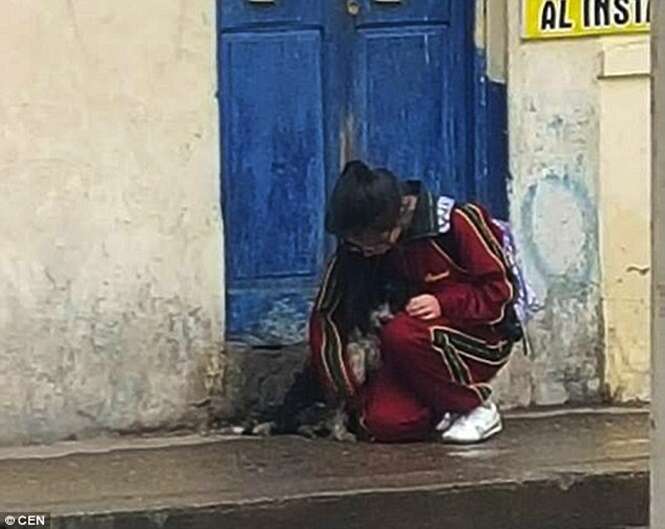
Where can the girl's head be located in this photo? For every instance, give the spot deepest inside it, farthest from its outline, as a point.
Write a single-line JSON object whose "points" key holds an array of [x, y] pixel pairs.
{"points": [[364, 208]]}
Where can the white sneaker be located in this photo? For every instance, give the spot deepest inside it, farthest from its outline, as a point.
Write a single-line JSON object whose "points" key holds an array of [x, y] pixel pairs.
{"points": [[478, 425], [448, 419]]}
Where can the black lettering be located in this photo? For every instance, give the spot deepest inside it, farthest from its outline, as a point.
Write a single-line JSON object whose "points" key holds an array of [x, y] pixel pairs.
{"points": [[648, 11], [564, 22], [548, 16], [638, 12], [587, 13], [602, 12], [621, 12]]}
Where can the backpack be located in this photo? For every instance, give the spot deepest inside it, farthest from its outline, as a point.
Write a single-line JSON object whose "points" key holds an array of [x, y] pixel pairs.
{"points": [[524, 303]]}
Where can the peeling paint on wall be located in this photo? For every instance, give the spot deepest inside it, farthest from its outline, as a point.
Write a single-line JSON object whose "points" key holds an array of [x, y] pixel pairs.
{"points": [[569, 252], [111, 307], [558, 229], [554, 131]]}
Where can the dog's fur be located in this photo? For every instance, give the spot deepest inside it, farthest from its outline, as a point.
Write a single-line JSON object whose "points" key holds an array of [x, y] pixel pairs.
{"points": [[305, 410]]}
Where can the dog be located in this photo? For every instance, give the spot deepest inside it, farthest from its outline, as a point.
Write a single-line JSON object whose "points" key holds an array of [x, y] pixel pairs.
{"points": [[305, 411], [363, 350]]}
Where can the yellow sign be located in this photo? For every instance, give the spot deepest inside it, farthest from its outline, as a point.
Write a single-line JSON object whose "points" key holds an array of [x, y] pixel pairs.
{"points": [[543, 19]]}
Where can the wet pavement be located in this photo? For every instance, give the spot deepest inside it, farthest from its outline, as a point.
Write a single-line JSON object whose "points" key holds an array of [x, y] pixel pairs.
{"points": [[572, 471]]}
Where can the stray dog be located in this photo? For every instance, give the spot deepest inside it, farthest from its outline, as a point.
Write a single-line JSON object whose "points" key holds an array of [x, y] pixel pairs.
{"points": [[305, 411], [363, 350]]}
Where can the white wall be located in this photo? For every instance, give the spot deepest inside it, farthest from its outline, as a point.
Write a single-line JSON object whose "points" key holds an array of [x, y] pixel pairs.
{"points": [[111, 263], [625, 167], [553, 99]]}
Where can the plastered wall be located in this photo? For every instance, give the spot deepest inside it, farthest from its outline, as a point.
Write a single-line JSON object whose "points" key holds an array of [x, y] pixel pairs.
{"points": [[111, 304]]}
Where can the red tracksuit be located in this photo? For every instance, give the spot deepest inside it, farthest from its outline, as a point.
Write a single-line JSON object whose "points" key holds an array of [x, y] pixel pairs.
{"points": [[430, 366]]}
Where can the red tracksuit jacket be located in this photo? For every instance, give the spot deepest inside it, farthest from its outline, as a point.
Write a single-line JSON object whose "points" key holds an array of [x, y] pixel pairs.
{"points": [[450, 251]]}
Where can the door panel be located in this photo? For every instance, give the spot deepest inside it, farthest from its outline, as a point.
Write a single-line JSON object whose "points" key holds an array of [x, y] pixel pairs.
{"points": [[274, 137], [402, 102], [274, 177]]}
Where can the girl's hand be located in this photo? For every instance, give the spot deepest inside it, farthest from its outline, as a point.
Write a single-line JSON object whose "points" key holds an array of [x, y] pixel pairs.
{"points": [[425, 307]]}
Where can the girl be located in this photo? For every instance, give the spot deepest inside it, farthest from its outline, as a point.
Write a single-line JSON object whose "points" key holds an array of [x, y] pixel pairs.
{"points": [[450, 336]]}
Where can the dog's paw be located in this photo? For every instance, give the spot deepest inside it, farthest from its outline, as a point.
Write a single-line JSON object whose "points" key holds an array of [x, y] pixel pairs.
{"points": [[344, 436], [338, 427], [307, 431], [264, 429]]}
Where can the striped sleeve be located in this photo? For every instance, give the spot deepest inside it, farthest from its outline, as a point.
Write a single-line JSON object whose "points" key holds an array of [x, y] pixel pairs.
{"points": [[488, 291]]}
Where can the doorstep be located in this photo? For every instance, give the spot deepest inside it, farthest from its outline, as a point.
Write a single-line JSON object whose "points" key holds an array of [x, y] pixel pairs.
{"points": [[559, 469]]}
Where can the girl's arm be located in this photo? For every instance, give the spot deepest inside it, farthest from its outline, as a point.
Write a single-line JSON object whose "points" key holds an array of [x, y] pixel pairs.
{"points": [[484, 298]]}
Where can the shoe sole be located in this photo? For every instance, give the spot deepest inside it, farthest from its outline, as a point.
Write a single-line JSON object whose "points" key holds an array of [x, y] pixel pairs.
{"points": [[495, 429]]}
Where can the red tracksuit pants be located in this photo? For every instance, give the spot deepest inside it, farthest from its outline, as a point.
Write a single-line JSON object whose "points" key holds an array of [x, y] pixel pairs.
{"points": [[417, 383]]}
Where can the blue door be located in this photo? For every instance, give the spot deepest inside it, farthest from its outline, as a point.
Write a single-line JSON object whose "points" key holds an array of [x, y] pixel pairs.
{"points": [[409, 92], [306, 85]]}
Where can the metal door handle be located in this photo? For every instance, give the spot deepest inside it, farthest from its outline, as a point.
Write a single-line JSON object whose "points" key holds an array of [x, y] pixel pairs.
{"points": [[352, 7]]}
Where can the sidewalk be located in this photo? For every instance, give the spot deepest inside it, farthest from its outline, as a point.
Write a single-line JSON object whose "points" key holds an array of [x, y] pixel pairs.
{"points": [[586, 469]]}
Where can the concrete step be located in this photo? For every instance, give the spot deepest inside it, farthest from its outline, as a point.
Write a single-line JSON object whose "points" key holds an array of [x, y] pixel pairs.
{"points": [[574, 470]]}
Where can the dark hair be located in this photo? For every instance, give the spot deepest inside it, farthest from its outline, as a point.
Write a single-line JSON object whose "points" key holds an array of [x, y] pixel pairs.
{"points": [[363, 199], [366, 282]]}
